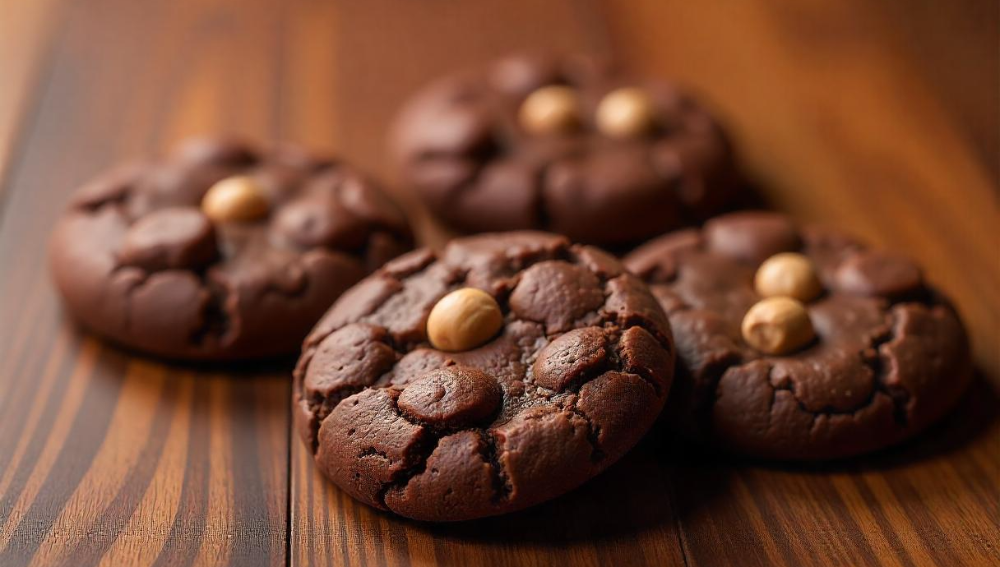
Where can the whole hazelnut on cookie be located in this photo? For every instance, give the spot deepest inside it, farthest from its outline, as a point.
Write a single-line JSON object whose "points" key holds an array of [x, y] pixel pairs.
{"points": [[550, 110], [626, 113], [777, 325], [464, 319], [235, 199], [789, 275]]}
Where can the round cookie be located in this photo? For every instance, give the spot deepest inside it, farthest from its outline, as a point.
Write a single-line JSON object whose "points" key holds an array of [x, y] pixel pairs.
{"points": [[220, 250], [566, 145], [576, 373], [865, 359]]}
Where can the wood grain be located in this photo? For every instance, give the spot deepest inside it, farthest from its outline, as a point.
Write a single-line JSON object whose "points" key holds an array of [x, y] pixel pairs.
{"points": [[108, 458], [881, 117]]}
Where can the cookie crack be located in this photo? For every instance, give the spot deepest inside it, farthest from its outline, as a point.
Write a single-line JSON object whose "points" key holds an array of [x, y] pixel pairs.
{"points": [[618, 363], [898, 396], [312, 341], [626, 321], [374, 452], [503, 488], [597, 453], [400, 479], [574, 386], [322, 405], [707, 395], [217, 321]]}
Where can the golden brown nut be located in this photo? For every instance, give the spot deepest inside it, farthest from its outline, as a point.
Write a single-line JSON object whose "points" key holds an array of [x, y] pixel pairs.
{"points": [[626, 113], [550, 110], [777, 325], [235, 199], [789, 275], [463, 320]]}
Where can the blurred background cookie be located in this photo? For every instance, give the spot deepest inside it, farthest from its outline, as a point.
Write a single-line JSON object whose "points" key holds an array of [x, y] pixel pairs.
{"points": [[221, 250], [571, 145]]}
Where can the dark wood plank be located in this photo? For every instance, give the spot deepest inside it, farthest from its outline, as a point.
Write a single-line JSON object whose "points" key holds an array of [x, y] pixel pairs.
{"points": [[105, 457], [349, 67], [842, 116]]}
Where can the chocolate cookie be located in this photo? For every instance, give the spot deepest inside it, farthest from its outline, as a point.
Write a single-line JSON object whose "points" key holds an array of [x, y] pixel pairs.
{"points": [[801, 344], [566, 145], [503, 372], [220, 251]]}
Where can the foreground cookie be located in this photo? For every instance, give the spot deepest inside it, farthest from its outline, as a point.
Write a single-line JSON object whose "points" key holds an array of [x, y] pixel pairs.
{"points": [[504, 372], [801, 344], [220, 251], [565, 145]]}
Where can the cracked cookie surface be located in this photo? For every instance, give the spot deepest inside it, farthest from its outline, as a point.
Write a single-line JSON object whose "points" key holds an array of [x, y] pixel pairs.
{"points": [[578, 373], [891, 355], [459, 144], [138, 261]]}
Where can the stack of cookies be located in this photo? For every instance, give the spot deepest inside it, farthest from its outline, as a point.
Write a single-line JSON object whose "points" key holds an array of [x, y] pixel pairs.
{"points": [[518, 362]]}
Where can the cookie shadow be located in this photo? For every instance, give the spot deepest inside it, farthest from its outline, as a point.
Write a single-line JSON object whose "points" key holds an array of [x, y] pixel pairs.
{"points": [[262, 368], [251, 394], [634, 495]]}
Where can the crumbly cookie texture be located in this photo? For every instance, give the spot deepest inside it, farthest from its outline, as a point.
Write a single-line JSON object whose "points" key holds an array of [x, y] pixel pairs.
{"points": [[570, 145], [220, 250], [577, 374], [889, 358]]}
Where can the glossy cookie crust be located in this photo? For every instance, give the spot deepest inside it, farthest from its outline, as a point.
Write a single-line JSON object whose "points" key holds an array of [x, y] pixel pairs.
{"points": [[578, 373], [459, 144], [891, 355], [137, 261]]}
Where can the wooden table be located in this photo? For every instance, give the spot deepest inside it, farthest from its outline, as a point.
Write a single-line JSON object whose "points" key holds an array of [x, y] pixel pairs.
{"points": [[878, 116]]}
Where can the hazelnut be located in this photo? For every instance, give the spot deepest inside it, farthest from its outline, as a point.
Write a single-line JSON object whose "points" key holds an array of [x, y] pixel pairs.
{"points": [[777, 325], [235, 199], [550, 110], [463, 320], [788, 274], [626, 113]]}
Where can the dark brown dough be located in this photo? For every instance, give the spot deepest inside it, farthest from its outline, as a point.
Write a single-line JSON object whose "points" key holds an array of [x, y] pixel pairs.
{"points": [[457, 143], [137, 261], [578, 374], [891, 356]]}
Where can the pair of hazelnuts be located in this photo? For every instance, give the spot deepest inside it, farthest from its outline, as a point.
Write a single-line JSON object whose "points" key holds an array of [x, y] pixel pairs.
{"points": [[628, 112], [779, 323]]}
